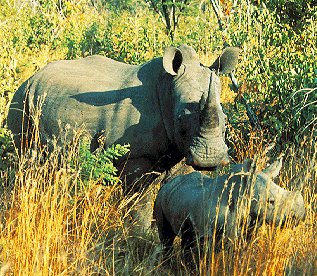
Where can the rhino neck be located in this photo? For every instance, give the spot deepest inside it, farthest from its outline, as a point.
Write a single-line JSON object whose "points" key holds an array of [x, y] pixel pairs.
{"points": [[150, 71], [236, 182], [164, 94]]}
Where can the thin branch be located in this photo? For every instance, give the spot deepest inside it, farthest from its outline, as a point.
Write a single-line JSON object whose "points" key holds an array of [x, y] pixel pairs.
{"points": [[216, 9], [166, 13], [251, 115], [155, 8]]}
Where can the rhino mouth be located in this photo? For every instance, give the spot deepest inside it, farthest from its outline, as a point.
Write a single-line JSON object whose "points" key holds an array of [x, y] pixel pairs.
{"points": [[209, 155], [288, 220]]}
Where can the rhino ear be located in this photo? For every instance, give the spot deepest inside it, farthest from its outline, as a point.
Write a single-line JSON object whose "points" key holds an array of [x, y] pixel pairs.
{"points": [[227, 61], [245, 167], [247, 164], [274, 169], [172, 60]]}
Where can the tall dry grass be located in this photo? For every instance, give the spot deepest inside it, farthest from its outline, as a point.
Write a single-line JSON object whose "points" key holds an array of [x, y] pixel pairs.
{"points": [[53, 224]]}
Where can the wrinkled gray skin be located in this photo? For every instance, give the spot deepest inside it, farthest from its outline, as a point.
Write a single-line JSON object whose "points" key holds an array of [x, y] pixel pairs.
{"points": [[187, 205], [167, 103], [169, 106]]}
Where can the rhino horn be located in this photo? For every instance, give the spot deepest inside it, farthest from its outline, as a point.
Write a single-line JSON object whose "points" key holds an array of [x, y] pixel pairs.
{"points": [[209, 116], [274, 169], [227, 61]]}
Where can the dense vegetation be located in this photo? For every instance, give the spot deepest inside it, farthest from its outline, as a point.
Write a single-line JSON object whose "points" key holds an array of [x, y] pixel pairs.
{"points": [[57, 218]]}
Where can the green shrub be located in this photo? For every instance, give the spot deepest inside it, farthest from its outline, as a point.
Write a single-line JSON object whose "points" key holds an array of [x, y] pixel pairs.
{"points": [[292, 12], [276, 62], [303, 107], [98, 166], [8, 155]]}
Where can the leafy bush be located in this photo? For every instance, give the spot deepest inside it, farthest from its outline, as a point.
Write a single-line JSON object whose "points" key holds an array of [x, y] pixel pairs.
{"points": [[116, 6], [292, 12], [8, 155], [303, 107], [98, 166], [276, 62]]}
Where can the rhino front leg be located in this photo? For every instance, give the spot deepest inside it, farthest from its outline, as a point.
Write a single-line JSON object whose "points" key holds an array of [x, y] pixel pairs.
{"points": [[136, 179], [136, 174], [189, 243], [142, 213], [165, 231]]}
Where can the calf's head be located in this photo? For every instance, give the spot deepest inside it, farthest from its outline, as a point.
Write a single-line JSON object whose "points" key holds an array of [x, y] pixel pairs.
{"points": [[273, 204], [190, 102]]}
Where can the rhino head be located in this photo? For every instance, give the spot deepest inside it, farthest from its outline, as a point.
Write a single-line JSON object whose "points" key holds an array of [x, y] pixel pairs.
{"points": [[273, 204], [190, 104]]}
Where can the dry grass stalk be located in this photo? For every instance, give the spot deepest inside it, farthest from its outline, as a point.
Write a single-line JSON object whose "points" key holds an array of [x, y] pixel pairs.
{"points": [[55, 225]]}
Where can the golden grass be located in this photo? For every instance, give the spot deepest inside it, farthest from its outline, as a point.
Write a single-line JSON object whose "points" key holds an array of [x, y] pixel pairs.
{"points": [[53, 224]]}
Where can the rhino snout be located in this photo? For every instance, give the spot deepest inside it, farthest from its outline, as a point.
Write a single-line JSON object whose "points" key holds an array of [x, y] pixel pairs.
{"points": [[298, 208], [208, 152], [196, 160], [294, 209]]}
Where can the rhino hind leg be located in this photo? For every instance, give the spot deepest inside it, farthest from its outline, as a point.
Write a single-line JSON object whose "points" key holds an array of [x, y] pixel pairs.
{"points": [[167, 238], [18, 119]]}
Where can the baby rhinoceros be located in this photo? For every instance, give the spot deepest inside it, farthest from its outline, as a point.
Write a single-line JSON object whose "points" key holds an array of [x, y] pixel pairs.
{"points": [[199, 208]]}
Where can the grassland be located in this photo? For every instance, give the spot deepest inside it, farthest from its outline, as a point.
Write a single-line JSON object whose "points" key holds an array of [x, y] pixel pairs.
{"points": [[52, 223]]}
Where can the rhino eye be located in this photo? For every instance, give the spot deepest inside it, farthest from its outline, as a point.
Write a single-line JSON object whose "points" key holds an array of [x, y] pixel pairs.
{"points": [[185, 112], [271, 201]]}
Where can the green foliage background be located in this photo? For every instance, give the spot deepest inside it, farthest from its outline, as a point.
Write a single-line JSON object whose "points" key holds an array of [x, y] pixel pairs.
{"points": [[278, 56]]}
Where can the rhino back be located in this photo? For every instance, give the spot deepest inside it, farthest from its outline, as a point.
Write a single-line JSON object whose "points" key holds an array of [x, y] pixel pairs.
{"points": [[186, 196], [200, 198], [101, 94]]}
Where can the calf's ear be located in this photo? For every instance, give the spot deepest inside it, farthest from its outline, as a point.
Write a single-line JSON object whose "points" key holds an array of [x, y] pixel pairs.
{"points": [[247, 164], [274, 169], [227, 61], [172, 60]]}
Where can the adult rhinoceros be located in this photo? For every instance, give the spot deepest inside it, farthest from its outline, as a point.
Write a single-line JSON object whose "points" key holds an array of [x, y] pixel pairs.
{"points": [[167, 105], [204, 209]]}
